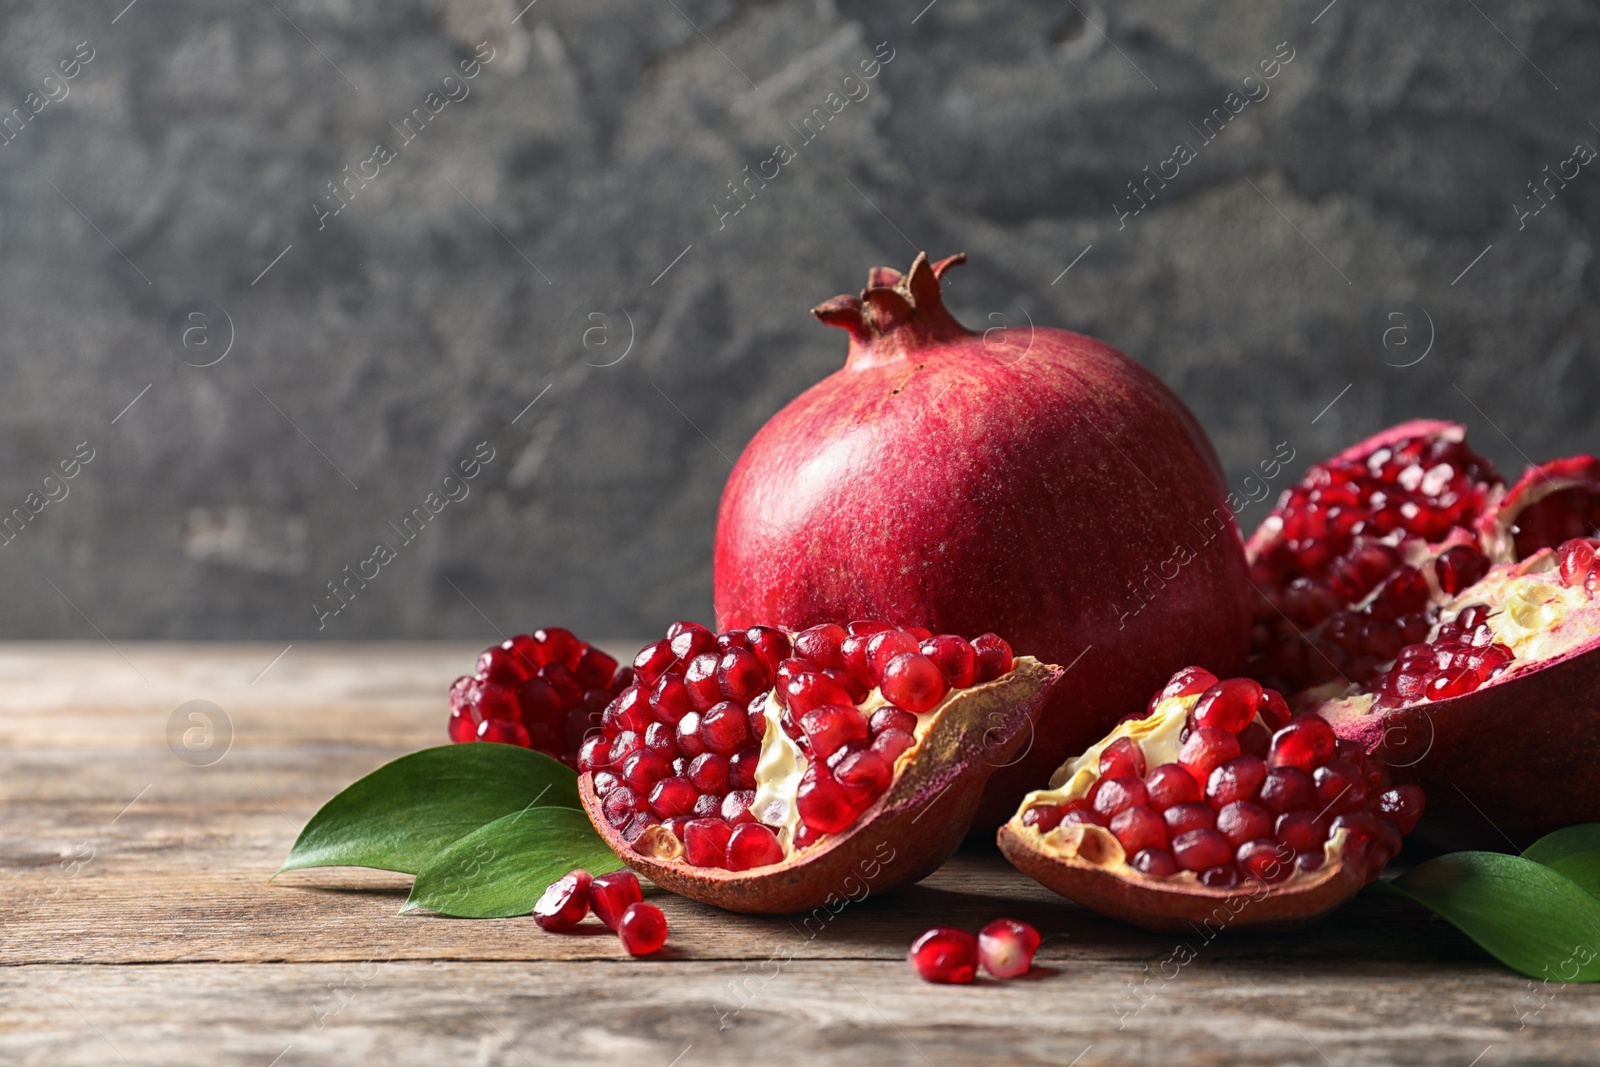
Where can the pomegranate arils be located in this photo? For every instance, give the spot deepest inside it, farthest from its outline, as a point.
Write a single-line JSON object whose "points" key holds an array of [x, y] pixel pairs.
{"points": [[912, 681], [1122, 757], [725, 728], [1341, 786], [890, 744], [742, 675], [1243, 820], [1266, 860], [955, 657], [672, 796], [1112, 795], [1138, 828], [1205, 750], [993, 655], [642, 929], [1043, 817], [611, 894], [832, 726], [1168, 784], [884, 646], [1228, 705], [1006, 947], [945, 955], [1200, 850], [565, 902], [1187, 682], [1301, 830], [505, 731], [821, 644], [1306, 742], [1286, 788], [892, 718], [752, 845], [1402, 806], [863, 776], [1238, 779], [822, 802], [1154, 863], [1190, 815]]}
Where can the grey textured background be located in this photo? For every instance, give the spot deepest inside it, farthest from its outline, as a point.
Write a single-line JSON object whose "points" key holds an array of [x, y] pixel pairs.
{"points": [[464, 281]]}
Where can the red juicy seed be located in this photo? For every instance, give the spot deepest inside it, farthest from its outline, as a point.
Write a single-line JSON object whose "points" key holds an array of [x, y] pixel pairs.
{"points": [[865, 627], [653, 660], [1190, 815], [1402, 806], [732, 639], [493, 701], [565, 902], [805, 836], [742, 675], [892, 719], [822, 802], [505, 731], [708, 806], [832, 726], [620, 805], [605, 782], [1454, 682], [611, 894], [690, 640], [1228, 706], [676, 824], [595, 669], [1238, 779], [1187, 682], [1222, 876], [1200, 850], [806, 692], [955, 657], [672, 796], [891, 743], [1577, 560], [1138, 828], [642, 929], [690, 741], [736, 806], [1080, 812], [561, 679], [863, 776], [629, 711], [912, 681], [709, 773], [700, 681], [638, 825], [1274, 710], [1405, 592], [669, 700], [854, 651], [1255, 739], [461, 691], [1265, 860], [1341, 786], [752, 845], [705, 842], [596, 754], [884, 646], [1363, 830], [1305, 743], [725, 728], [624, 745], [1287, 789], [1006, 948], [1205, 750], [742, 767], [463, 727], [1170, 784], [756, 716], [1155, 863], [847, 681], [530, 655], [559, 646], [1244, 820], [1122, 757], [1112, 795], [643, 770], [770, 645], [662, 740], [821, 644], [501, 666], [1302, 831], [1043, 817], [944, 955], [994, 657]]}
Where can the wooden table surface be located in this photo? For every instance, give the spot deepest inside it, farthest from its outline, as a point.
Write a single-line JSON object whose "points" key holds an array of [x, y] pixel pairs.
{"points": [[137, 924]]}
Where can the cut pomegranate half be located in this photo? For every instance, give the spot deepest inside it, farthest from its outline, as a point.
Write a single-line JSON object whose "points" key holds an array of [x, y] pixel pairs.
{"points": [[1217, 808], [1444, 623], [544, 690], [763, 771]]}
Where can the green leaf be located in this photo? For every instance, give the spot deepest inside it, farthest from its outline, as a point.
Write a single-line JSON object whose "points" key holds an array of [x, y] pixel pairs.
{"points": [[1574, 852], [501, 869], [404, 813], [1522, 913]]}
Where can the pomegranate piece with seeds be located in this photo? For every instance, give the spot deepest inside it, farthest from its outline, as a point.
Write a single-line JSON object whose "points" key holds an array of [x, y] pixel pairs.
{"points": [[758, 800], [546, 691], [1446, 623], [1297, 830], [944, 954]]}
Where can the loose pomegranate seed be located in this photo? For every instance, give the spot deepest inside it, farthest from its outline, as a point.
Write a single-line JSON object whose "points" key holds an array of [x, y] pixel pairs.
{"points": [[1238, 779], [611, 894], [672, 796], [1201, 850], [565, 902], [642, 929], [832, 726], [1122, 757], [1006, 947], [1137, 829], [822, 802], [1190, 815], [1187, 682], [705, 842], [1265, 860], [1228, 706], [994, 657], [955, 657], [1301, 830], [559, 646], [1305, 743], [945, 955], [1244, 820], [1171, 784], [492, 701], [505, 731], [539, 702], [821, 644], [1402, 806], [892, 743], [1287, 788], [1112, 795], [1206, 750], [594, 669], [1155, 863], [912, 681], [1043, 817], [752, 845]]}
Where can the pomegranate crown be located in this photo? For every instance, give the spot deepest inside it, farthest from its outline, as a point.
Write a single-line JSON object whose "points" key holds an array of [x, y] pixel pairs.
{"points": [[901, 309]]}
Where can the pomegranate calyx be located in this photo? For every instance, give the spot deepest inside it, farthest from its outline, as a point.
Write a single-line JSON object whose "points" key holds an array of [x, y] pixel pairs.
{"points": [[896, 313]]}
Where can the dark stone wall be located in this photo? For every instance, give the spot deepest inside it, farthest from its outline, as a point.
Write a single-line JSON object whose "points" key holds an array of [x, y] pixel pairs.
{"points": [[560, 229]]}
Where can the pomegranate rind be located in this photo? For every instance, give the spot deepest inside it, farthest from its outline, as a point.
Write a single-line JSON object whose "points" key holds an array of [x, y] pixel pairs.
{"points": [[1497, 528], [905, 835]]}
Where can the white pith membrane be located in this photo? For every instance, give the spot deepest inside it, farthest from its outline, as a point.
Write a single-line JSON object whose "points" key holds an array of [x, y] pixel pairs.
{"points": [[1157, 734], [1530, 612]]}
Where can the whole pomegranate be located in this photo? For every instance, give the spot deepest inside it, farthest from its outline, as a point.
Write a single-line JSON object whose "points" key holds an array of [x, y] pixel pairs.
{"points": [[1041, 486]]}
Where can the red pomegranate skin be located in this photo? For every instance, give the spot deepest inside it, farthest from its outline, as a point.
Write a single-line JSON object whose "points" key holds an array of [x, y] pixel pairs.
{"points": [[1040, 486]]}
